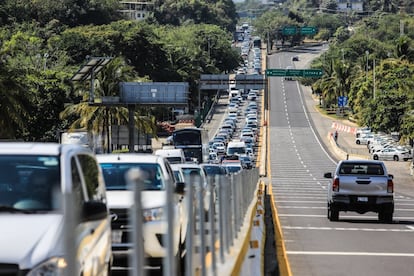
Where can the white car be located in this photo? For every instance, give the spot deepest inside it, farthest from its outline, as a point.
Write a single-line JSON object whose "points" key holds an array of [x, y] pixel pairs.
{"points": [[219, 147], [38, 231], [364, 139], [188, 170], [252, 96], [392, 154], [154, 199]]}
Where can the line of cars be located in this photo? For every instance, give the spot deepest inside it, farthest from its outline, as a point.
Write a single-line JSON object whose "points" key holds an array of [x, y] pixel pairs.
{"points": [[383, 146], [65, 210], [235, 142]]}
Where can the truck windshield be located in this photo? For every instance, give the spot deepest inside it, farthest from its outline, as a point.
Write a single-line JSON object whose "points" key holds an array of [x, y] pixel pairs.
{"points": [[29, 182], [114, 175]]}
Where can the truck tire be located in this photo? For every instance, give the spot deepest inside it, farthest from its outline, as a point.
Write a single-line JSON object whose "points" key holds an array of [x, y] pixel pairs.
{"points": [[375, 157], [333, 213], [385, 216]]}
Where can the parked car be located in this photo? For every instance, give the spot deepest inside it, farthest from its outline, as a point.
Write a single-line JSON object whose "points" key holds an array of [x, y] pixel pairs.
{"points": [[362, 130], [120, 199], [364, 139], [38, 233], [392, 154]]}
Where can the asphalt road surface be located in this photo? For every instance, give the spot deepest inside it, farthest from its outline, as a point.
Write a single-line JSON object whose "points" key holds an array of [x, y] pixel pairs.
{"points": [[356, 244]]}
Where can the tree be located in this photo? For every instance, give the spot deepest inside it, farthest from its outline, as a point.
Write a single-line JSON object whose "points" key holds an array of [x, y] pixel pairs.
{"points": [[217, 12], [98, 119]]}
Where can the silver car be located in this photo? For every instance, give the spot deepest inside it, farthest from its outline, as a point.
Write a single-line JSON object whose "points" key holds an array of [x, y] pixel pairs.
{"points": [[392, 154]]}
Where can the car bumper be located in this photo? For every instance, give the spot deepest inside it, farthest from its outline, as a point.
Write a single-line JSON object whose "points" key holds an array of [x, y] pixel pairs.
{"points": [[362, 203]]}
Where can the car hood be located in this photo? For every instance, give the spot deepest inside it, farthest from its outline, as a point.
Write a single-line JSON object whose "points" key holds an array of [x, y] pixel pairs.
{"points": [[28, 239], [124, 199]]}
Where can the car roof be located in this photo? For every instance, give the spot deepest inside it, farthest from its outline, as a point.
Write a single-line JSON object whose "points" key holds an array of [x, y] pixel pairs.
{"points": [[36, 148], [129, 157]]}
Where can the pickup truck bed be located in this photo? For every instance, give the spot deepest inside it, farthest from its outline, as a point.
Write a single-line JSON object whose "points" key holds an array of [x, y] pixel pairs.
{"points": [[361, 186]]}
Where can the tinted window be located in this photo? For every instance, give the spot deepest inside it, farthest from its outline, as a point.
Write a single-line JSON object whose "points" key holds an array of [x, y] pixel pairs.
{"points": [[78, 197], [29, 182], [213, 170], [114, 175], [90, 171]]}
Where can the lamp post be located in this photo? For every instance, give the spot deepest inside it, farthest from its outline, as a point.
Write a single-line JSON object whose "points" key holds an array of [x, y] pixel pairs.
{"points": [[366, 69]]}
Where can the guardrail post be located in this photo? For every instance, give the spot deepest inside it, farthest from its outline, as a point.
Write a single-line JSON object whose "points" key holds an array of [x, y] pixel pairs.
{"points": [[201, 219], [232, 209], [135, 180], [212, 217], [190, 230], [221, 196], [169, 262]]}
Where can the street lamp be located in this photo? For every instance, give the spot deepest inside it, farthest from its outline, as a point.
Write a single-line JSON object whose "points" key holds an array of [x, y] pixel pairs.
{"points": [[367, 53]]}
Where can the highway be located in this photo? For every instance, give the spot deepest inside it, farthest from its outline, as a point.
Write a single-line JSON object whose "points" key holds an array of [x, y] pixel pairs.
{"points": [[356, 244]]}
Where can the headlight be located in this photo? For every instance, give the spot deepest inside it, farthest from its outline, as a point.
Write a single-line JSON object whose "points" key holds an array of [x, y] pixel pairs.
{"points": [[153, 214], [53, 266]]}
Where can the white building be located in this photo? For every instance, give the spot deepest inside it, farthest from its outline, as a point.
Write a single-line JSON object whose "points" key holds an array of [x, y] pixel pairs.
{"points": [[136, 9], [354, 5]]}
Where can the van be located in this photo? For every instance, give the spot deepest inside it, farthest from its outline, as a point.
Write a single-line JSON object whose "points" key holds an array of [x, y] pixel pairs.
{"points": [[173, 155], [236, 147], [54, 218], [234, 93]]}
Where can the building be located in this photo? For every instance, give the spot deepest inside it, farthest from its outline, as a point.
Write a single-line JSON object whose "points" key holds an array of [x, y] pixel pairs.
{"points": [[136, 9], [350, 5]]}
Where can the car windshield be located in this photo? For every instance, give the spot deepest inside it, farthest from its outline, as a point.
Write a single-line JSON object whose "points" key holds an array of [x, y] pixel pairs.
{"points": [[114, 175], [233, 169], [213, 170], [236, 150], [29, 183]]}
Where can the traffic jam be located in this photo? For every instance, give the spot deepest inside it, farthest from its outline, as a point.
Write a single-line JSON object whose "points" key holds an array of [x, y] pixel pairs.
{"points": [[166, 212]]}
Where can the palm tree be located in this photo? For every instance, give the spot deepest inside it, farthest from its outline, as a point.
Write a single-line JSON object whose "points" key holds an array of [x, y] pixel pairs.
{"points": [[97, 119], [13, 104]]}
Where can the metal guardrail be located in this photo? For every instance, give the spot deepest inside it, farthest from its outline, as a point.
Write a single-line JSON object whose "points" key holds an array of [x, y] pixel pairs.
{"points": [[212, 236]]}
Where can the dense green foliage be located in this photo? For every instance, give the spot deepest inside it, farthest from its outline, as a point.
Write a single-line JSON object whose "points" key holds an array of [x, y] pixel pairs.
{"points": [[44, 43], [373, 67]]}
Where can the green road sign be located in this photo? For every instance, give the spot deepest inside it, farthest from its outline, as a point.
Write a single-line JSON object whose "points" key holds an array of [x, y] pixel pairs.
{"points": [[312, 73], [307, 30], [306, 73], [276, 72], [289, 30]]}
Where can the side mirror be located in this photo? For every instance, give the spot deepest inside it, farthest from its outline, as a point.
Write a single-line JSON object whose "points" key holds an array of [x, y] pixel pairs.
{"points": [[328, 175], [94, 210], [180, 188]]}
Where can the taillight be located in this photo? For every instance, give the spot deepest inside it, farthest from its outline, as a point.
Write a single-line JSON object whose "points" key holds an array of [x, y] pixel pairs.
{"points": [[335, 185], [390, 186]]}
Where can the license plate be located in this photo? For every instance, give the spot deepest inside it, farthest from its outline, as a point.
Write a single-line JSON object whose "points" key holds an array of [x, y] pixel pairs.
{"points": [[362, 199], [116, 236]]}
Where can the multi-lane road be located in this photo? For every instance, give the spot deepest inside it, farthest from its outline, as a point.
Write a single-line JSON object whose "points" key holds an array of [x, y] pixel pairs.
{"points": [[356, 244]]}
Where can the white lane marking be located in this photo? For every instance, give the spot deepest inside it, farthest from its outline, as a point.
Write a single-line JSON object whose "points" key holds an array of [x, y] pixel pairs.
{"points": [[345, 217], [307, 207], [347, 229], [302, 201], [336, 253]]}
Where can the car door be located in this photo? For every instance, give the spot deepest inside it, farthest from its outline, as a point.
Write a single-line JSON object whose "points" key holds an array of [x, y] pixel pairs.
{"points": [[95, 235]]}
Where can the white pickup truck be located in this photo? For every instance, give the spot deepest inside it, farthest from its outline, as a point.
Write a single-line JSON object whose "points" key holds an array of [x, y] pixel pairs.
{"points": [[361, 186]]}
